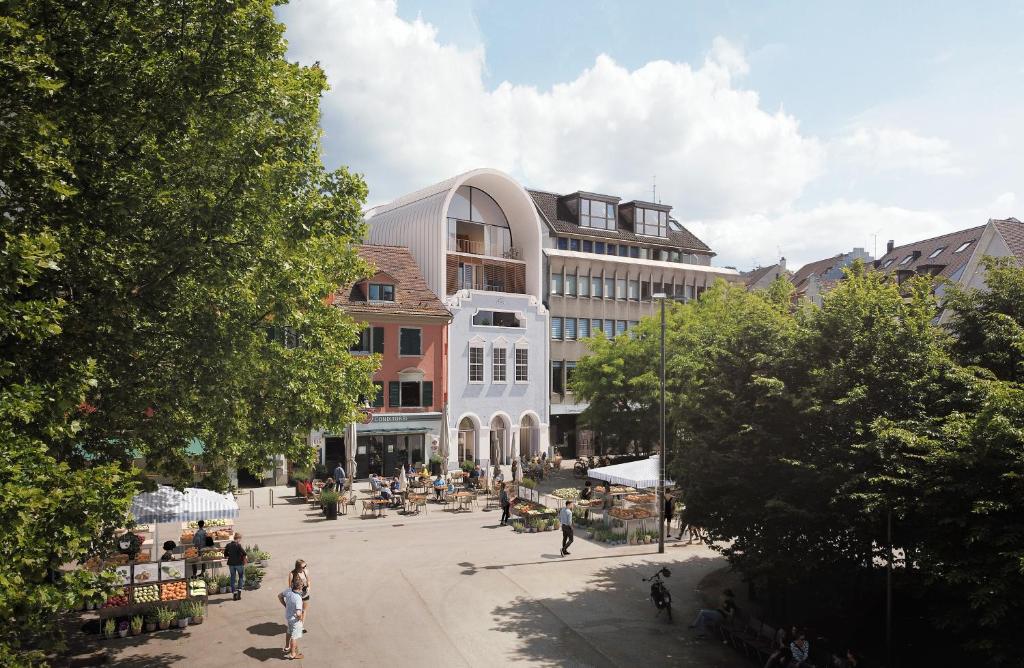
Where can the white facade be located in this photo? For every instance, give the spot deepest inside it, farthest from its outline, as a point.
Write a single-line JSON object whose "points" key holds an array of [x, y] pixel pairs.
{"points": [[493, 419], [497, 419]]}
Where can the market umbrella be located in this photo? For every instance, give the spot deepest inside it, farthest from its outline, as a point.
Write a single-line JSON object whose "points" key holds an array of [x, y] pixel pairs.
{"points": [[640, 473], [403, 481], [167, 504]]}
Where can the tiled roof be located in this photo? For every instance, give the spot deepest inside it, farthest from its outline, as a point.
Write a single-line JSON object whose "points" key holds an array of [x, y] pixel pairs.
{"points": [[1012, 231], [945, 263], [755, 275], [548, 205], [412, 296], [818, 268]]}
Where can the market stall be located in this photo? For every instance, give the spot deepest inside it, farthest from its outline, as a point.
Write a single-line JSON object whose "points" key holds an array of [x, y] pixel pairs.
{"points": [[634, 511]]}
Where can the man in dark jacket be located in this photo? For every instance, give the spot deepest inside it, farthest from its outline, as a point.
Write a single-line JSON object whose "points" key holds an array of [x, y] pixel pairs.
{"points": [[235, 554], [504, 502]]}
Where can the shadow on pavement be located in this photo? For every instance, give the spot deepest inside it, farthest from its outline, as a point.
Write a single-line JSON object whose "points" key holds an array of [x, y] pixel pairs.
{"points": [[611, 622], [148, 661], [264, 653], [267, 629]]}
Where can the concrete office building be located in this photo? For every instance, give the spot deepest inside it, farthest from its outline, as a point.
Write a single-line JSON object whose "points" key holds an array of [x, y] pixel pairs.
{"points": [[604, 262]]}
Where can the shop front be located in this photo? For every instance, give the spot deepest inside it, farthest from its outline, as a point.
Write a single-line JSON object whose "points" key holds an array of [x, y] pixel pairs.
{"points": [[390, 441]]}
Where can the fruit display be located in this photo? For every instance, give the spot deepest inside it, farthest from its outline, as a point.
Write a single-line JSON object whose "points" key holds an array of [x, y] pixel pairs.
{"points": [[212, 553], [641, 498], [623, 489], [147, 594], [117, 600], [630, 513], [197, 587], [186, 536], [567, 493], [223, 534], [210, 523], [525, 508], [173, 591], [191, 553]]}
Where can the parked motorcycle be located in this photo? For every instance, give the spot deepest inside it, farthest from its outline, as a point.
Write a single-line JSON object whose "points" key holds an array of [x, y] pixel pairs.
{"points": [[660, 595]]}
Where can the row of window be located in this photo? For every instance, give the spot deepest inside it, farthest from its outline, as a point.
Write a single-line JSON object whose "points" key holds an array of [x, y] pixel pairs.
{"points": [[371, 340], [405, 394], [598, 287], [935, 253], [499, 365], [623, 250], [571, 329]]}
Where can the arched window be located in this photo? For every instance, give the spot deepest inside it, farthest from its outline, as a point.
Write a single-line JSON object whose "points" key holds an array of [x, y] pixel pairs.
{"points": [[477, 225], [467, 440]]}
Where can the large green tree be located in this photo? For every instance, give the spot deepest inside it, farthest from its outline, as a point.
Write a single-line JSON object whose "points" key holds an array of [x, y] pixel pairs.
{"points": [[796, 432], [169, 237]]}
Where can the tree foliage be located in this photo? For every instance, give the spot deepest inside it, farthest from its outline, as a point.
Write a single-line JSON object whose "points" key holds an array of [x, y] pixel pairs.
{"points": [[795, 431], [169, 238]]}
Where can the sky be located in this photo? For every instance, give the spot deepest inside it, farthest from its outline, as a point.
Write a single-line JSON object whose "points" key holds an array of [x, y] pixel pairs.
{"points": [[787, 129]]}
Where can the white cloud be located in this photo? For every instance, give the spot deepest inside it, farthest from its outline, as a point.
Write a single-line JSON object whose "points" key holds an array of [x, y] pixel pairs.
{"points": [[887, 149], [407, 111], [820, 232]]}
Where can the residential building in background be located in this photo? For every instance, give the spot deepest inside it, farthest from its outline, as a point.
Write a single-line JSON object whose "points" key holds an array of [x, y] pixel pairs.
{"points": [[604, 262], [407, 325], [477, 239], [955, 256], [762, 277], [815, 278]]}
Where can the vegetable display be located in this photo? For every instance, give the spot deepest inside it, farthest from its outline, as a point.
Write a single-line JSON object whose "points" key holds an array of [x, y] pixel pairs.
{"points": [[197, 587], [210, 523], [641, 498], [117, 600], [567, 493]]}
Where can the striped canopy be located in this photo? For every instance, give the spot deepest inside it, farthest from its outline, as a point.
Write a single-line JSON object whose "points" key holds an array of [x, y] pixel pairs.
{"points": [[641, 473], [167, 504]]}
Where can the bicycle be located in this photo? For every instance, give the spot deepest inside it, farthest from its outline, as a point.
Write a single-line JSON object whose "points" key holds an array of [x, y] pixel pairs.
{"points": [[581, 467], [660, 595]]}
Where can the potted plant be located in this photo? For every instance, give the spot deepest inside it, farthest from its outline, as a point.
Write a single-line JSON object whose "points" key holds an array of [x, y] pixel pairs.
{"points": [[109, 628], [329, 500], [223, 584], [196, 611], [211, 583], [435, 464], [151, 621], [165, 616], [183, 615], [467, 465], [136, 625], [253, 577], [261, 557]]}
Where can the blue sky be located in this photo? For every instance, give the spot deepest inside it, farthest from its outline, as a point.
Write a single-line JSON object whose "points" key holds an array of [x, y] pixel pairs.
{"points": [[772, 127]]}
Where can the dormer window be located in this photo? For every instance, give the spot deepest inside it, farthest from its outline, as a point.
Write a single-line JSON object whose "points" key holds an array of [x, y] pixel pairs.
{"points": [[651, 223], [595, 213], [381, 292], [963, 247]]}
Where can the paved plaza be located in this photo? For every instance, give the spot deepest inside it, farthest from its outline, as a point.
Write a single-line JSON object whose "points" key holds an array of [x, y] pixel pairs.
{"points": [[443, 589]]}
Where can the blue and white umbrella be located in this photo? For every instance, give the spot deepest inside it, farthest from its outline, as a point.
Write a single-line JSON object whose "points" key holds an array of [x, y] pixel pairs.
{"points": [[167, 504]]}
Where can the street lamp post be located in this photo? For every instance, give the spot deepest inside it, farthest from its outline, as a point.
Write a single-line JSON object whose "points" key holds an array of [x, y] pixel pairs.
{"points": [[661, 296]]}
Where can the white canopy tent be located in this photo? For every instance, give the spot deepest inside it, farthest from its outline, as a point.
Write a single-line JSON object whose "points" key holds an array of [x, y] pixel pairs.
{"points": [[167, 504], [640, 473]]}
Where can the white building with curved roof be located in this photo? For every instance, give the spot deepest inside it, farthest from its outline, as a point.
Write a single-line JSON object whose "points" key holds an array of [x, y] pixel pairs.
{"points": [[478, 241]]}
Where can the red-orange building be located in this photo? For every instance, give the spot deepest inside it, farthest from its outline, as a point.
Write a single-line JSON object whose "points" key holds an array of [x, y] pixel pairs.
{"points": [[407, 325]]}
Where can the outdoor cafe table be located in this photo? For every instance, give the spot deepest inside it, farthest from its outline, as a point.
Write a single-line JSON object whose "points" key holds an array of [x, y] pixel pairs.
{"points": [[465, 499], [380, 506]]}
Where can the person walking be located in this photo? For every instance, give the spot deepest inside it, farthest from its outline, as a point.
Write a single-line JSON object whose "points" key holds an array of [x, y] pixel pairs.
{"points": [[515, 470], [301, 575], [236, 556], [339, 478], [291, 599], [504, 502], [670, 506], [199, 542], [565, 517]]}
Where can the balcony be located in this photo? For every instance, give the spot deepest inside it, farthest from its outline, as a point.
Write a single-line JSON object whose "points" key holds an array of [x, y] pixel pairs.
{"points": [[485, 273], [479, 247]]}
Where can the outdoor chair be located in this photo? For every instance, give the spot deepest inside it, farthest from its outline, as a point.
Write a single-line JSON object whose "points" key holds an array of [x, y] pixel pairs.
{"points": [[368, 507]]}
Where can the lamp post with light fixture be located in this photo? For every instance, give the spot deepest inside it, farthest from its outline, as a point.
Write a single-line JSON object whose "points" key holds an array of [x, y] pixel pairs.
{"points": [[661, 296]]}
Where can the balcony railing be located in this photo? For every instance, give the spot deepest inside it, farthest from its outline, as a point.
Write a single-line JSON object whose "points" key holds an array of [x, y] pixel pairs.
{"points": [[474, 247], [487, 274]]}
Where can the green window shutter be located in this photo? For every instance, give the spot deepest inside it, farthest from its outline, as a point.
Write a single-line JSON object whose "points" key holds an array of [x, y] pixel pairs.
{"points": [[378, 397], [378, 340], [427, 395], [394, 394]]}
